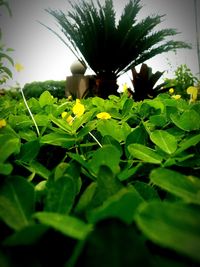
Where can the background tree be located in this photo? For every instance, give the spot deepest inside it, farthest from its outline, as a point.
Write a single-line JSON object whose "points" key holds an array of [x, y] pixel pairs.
{"points": [[110, 48]]}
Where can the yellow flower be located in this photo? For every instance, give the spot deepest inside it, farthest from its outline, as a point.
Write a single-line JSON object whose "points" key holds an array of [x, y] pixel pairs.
{"points": [[69, 98], [78, 109], [176, 96], [125, 87], [2, 123], [103, 116], [64, 114], [171, 91], [193, 92], [19, 67], [69, 118]]}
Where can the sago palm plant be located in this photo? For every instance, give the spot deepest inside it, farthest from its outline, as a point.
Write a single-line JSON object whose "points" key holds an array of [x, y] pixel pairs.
{"points": [[108, 47]]}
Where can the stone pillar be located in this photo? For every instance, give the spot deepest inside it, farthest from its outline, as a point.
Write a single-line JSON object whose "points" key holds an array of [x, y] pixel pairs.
{"points": [[78, 84]]}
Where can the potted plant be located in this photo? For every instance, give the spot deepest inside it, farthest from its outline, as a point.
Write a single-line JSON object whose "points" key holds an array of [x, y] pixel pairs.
{"points": [[109, 48]]}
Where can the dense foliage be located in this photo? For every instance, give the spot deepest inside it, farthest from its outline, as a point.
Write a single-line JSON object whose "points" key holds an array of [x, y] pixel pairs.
{"points": [[35, 89], [101, 183]]}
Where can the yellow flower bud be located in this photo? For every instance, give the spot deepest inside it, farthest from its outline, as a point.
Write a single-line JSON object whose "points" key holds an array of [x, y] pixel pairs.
{"points": [[103, 116], [171, 91], [2, 123], [19, 67], [176, 97]]}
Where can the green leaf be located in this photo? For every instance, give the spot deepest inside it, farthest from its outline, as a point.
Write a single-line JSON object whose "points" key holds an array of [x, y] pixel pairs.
{"points": [[107, 185], [68, 225], [188, 121], [105, 127], [28, 135], [16, 202], [3, 55], [186, 187], [122, 205], [9, 144], [158, 120], [102, 156], [86, 198], [7, 71], [146, 191], [35, 167], [60, 195], [5, 168], [29, 151], [171, 225], [46, 99], [26, 236], [187, 143], [58, 139], [144, 153], [164, 140], [41, 120]]}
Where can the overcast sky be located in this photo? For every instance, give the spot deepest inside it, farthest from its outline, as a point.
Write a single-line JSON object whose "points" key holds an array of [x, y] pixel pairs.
{"points": [[45, 57]]}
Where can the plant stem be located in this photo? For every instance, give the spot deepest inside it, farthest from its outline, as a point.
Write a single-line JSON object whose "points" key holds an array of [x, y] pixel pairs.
{"points": [[26, 104]]}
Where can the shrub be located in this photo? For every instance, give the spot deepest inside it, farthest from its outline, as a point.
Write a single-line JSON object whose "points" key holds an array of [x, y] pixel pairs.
{"points": [[35, 89]]}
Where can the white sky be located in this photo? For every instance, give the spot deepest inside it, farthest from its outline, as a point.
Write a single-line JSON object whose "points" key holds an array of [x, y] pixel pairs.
{"points": [[45, 57]]}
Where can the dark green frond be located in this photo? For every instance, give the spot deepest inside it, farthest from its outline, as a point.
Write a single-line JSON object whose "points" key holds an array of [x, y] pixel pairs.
{"points": [[106, 47]]}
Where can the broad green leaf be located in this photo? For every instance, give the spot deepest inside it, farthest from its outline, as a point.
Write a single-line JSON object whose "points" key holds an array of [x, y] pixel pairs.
{"points": [[42, 120], [122, 205], [126, 108], [186, 187], [138, 136], [109, 140], [171, 225], [58, 139], [155, 103], [107, 155], [144, 153], [20, 122], [98, 101], [114, 128], [28, 135], [46, 99], [146, 191], [107, 185], [86, 198], [5, 168], [26, 236], [188, 121], [127, 173], [164, 140], [187, 143], [68, 225], [29, 151], [114, 244], [158, 120], [9, 144], [60, 195], [16, 202]]}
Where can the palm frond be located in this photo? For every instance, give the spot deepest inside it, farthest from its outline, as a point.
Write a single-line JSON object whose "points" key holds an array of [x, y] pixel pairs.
{"points": [[97, 41]]}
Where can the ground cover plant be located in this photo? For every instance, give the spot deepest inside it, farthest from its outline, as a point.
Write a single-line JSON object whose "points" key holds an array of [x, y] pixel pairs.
{"points": [[96, 182]]}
